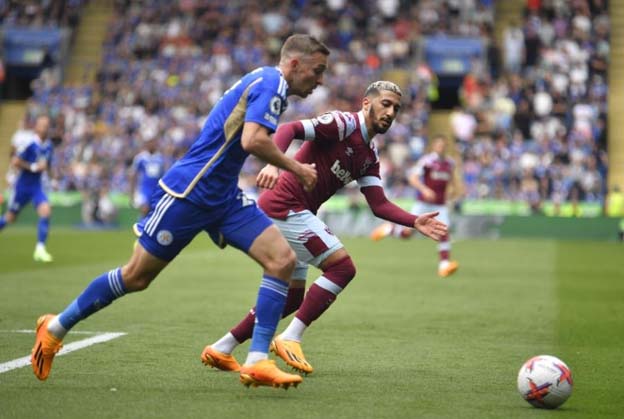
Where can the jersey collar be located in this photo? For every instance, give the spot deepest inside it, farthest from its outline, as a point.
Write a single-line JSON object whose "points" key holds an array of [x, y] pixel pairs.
{"points": [[363, 128]]}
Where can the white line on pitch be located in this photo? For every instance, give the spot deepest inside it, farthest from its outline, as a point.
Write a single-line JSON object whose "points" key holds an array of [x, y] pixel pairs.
{"points": [[71, 332], [70, 347]]}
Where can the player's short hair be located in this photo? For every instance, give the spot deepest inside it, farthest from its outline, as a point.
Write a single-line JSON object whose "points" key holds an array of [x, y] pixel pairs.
{"points": [[375, 87], [439, 136], [302, 44]]}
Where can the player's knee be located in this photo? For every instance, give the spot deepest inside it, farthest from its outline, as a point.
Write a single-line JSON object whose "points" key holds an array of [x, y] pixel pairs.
{"points": [[341, 272], [44, 211], [283, 263]]}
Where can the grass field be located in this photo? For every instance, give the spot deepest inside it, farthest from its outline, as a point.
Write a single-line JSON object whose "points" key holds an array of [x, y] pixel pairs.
{"points": [[398, 343]]}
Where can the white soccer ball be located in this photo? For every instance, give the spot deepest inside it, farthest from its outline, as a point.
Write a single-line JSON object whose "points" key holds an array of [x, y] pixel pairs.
{"points": [[545, 381]]}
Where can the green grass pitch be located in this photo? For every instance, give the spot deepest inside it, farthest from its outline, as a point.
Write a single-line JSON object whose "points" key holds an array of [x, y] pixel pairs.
{"points": [[398, 343]]}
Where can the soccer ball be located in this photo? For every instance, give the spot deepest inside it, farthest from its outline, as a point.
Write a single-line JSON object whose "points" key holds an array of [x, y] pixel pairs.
{"points": [[545, 381]]}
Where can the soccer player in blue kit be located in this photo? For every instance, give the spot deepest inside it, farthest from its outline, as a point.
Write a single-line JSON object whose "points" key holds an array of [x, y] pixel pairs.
{"points": [[147, 168], [32, 158], [200, 193]]}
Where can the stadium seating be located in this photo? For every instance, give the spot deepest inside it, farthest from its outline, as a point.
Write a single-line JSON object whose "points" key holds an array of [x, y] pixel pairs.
{"points": [[533, 132]]}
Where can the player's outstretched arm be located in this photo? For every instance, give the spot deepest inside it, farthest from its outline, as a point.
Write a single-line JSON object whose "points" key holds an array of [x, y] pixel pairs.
{"points": [[256, 140], [383, 208]]}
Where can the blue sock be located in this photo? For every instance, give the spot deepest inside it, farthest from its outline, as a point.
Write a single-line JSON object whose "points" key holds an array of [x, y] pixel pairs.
{"points": [[102, 291], [269, 307], [42, 229], [2, 222]]}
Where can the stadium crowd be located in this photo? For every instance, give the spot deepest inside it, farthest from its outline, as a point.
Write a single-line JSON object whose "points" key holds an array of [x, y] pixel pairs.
{"points": [[530, 129], [38, 14]]}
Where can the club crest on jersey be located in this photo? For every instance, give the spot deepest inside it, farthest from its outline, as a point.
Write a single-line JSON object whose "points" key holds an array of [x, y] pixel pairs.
{"points": [[343, 175], [164, 237]]}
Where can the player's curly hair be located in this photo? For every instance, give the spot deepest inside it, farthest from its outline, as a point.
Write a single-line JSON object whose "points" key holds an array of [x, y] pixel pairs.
{"points": [[302, 44], [375, 87]]}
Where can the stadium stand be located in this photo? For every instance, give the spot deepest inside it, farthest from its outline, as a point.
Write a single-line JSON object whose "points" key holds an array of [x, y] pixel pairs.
{"points": [[529, 127]]}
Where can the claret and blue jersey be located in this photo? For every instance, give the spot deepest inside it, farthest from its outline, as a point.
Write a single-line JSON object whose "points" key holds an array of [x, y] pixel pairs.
{"points": [[208, 174]]}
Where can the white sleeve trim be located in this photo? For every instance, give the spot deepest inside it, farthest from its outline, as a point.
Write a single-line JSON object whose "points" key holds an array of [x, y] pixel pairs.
{"points": [[369, 181], [308, 127]]}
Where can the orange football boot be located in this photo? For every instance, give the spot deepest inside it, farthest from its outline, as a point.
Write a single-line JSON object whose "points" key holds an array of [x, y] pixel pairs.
{"points": [[381, 232], [292, 354], [215, 359], [448, 269], [46, 346], [266, 373]]}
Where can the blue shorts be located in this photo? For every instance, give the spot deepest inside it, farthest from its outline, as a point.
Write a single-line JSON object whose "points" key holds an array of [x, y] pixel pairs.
{"points": [[172, 223], [21, 197]]}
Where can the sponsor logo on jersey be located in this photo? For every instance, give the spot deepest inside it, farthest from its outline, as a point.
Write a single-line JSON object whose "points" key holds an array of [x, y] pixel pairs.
{"points": [[343, 175], [270, 118], [437, 175]]}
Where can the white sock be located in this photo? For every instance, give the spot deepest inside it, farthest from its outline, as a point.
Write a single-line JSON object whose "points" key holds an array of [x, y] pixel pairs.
{"points": [[40, 246], [226, 344], [254, 357], [443, 264], [56, 328], [294, 331]]}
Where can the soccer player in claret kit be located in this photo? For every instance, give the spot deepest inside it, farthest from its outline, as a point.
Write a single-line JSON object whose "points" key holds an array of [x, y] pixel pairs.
{"points": [[200, 193], [32, 159], [431, 177], [340, 145]]}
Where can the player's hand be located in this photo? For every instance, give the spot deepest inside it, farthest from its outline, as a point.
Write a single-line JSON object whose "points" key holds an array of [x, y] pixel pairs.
{"points": [[307, 176], [267, 178], [428, 194], [39, 166], [428, 226]]}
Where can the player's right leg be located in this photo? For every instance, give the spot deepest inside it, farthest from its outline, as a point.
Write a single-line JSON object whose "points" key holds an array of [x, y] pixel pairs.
{"points": [[17, 201]]}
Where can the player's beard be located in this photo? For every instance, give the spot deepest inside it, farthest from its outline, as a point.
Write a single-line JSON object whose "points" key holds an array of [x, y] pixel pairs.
{"points": [[378, 128]]}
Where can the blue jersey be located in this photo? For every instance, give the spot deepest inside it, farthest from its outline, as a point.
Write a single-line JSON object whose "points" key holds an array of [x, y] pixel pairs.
{"points": [[32, 152], [208, 173], [149, 168]]}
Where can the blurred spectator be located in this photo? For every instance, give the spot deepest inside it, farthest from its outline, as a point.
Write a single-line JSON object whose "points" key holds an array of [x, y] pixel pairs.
{"points": [[534, 132]]}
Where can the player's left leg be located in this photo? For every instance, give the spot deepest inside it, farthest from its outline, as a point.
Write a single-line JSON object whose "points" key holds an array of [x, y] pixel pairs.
{"points": [[172, 224], [44, 211], [338, 270], [247, 228], [219, 354], [446, 266]]}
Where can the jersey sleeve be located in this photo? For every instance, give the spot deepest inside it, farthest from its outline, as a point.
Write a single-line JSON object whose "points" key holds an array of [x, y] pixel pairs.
{"points": [[28, 152], [264, 106], [371, 177], [136, 162], [331, 126]]}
